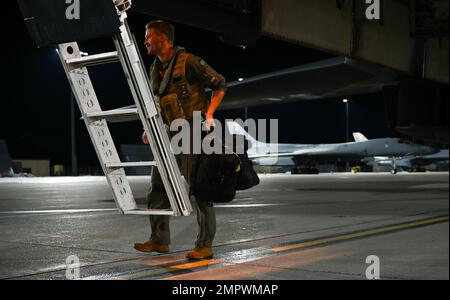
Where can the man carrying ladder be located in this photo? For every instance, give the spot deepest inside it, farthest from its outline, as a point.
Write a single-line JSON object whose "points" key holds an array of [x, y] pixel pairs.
{"points": [[178, 80]]}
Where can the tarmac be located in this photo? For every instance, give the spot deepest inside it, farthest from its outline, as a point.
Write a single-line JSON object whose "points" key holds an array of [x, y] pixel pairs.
{"points": [[301, 227]]}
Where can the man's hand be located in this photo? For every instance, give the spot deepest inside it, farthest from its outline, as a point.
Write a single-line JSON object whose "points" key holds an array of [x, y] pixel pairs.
{"points": [[144, 138], [216, 99], [209, 122]]}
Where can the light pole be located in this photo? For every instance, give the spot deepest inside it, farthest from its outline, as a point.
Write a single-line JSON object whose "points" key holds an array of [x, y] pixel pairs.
{"points": [[347, 129], [347, 133]]}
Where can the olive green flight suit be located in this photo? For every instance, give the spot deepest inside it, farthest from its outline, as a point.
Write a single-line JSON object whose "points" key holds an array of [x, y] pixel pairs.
{"points": [[201, 75]]}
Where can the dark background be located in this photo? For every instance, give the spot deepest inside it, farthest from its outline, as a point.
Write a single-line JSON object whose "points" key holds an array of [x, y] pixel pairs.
{"points": [[35, 98]]}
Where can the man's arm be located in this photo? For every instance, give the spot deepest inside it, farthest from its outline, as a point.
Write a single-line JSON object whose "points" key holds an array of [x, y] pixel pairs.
{"points": [[202, 72], [216, 99]]}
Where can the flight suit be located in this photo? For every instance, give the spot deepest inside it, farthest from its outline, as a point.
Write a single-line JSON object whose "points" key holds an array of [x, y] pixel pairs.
{"points": [[179, 86]]}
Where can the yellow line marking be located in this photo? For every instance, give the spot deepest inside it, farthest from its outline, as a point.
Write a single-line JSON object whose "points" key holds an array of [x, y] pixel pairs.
{"points": [[147, 273], [359, 234], [202, 263], [160, 263], [141, 274], [197, 264]]}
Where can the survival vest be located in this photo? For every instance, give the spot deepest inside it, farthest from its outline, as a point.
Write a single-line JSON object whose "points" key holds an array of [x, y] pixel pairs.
{"points": [[177, 98]]}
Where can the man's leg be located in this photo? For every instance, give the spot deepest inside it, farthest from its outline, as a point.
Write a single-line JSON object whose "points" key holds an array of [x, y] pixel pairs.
{"points": [[206, 216], [206, 219], [160, 225], [157, 199]]}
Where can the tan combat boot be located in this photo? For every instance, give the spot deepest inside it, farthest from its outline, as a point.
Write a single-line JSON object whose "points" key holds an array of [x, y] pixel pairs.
{"points": [[200, 253], [150, 246]]}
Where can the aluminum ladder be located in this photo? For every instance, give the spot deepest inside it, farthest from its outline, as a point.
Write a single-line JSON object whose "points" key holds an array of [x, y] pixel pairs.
{"points": [[96, 120]]}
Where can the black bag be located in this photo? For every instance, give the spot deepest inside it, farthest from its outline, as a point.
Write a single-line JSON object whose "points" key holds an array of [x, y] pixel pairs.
{"points": [[216, 178], [247, 177]]}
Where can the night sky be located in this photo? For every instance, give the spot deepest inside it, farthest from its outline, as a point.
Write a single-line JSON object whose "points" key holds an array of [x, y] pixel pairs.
{"points": [[35, 111]]}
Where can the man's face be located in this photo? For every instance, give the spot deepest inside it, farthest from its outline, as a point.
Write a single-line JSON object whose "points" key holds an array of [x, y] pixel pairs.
{"points": [[153, 41]]}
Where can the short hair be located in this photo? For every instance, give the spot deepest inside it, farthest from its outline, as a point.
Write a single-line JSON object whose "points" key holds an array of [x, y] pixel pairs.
{"points": [[162, 27]]}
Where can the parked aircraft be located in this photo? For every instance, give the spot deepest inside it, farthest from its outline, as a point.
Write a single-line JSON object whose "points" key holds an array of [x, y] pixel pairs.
{"points": [[306, 157], [409, 162]]}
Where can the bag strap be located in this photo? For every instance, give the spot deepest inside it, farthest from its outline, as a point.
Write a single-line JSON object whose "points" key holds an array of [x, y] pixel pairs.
{"points": [[169, 72]]}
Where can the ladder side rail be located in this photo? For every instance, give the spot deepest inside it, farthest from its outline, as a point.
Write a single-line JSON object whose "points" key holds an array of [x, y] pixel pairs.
{"points": [[153, 126], [184, 200], [157, 153], [175, 173], [156, 142]]}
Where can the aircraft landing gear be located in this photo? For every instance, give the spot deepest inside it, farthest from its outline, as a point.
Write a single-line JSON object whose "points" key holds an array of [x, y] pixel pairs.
{"points": [[394, 166]]}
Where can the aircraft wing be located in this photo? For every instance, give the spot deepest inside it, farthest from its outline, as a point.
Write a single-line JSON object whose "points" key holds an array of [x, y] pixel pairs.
{"points": [[331, 78], [427, 160], [317, 153]]}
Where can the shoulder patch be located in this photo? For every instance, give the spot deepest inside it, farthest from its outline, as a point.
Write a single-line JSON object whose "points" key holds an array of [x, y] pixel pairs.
{"points": [[202, 62]]}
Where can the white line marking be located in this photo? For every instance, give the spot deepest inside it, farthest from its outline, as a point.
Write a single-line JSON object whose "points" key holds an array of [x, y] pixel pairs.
{"points": [[74, 211], [57, 211], [66, 180], [245, 205]]}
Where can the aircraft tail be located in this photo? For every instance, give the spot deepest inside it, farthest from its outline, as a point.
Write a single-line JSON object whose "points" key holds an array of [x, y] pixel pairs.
{"points": [[235, 128], [359, 137]]}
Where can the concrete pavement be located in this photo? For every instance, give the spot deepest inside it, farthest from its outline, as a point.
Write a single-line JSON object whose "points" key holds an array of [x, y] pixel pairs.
{"points": [[45, 220]]}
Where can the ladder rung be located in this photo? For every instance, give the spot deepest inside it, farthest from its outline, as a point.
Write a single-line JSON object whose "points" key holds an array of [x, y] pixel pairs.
{"points": [[96, 59], [131, 164], [115, 115], [160, 212]]}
